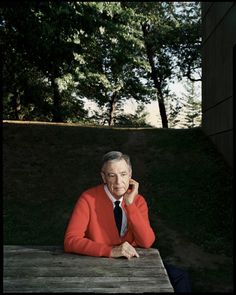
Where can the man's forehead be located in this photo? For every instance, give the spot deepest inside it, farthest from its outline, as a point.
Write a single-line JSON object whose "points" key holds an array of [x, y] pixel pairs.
{"points": [[116, 165]]}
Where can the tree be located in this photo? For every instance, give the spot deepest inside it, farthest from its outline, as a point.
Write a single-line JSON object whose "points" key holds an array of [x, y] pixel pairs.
{"points": [[188, 48], [56, 54], [139, 119], [192, 106], [40, 36], [167, 38], [174, 108], [113, 71]]}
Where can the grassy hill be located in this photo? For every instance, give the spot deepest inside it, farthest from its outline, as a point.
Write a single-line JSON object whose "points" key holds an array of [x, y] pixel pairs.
{"points": [[186, 183]]}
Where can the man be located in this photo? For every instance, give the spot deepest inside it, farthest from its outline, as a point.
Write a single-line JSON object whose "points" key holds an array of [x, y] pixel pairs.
{"points": [[92, 229], [111, 219]]}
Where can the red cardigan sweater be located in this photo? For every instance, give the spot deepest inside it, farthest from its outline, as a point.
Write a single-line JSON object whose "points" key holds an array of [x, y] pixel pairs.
{"points": [[92, 229]]}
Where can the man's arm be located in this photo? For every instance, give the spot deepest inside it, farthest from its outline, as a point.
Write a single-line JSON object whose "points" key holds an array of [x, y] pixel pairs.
{"points": [[137, 215], [75, 240]]}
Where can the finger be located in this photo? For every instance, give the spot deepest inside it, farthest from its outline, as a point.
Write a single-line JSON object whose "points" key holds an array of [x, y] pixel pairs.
{"points": [[128, 249], [132, 181], [132, 253], [135, 184], [130, 256], [135, 252], [127, 255], [131, 248]]}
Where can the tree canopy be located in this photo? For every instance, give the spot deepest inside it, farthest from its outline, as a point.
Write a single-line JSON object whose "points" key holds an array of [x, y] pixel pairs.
{"points": [[56, 54]]}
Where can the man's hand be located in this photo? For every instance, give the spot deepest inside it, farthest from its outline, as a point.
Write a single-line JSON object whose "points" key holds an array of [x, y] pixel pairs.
{"points": [[132, 192], [125, 250]]}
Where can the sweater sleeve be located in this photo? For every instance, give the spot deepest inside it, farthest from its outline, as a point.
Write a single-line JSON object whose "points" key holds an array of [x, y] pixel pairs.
{"points": [[75, 240], [137, 214]]}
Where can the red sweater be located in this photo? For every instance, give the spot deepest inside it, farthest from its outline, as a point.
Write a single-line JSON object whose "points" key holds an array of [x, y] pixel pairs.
{"points": [[92, 229]]}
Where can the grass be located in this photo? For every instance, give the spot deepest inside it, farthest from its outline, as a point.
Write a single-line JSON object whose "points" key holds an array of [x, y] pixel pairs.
{"points": [[211, 280], [183, 178], [194, 188]]}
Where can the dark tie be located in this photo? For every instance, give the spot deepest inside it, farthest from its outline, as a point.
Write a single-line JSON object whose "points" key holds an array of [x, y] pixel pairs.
{"points": [[118, 215]]}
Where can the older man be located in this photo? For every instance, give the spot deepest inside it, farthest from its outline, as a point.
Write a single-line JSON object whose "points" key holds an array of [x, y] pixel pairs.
{"points": [[111, 219]]}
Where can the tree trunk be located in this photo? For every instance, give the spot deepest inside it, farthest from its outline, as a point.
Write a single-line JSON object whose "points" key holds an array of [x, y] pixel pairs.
{"points": [[162, 109], [57, 116], [154, 75], [16, 105], [112, 109]]}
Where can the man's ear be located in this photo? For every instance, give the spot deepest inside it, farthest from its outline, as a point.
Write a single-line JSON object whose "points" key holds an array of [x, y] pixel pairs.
{"points": [[103, 177]]}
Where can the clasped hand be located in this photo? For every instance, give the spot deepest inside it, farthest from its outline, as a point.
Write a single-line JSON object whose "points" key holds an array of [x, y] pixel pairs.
{"points": [[125, 250]]}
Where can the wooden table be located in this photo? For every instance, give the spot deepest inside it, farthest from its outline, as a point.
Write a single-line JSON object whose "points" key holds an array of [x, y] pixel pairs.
{"points": [[49, 269]]}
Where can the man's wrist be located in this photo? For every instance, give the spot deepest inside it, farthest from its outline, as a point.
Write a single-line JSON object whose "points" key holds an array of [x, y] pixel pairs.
{"points": [[128, 202]]}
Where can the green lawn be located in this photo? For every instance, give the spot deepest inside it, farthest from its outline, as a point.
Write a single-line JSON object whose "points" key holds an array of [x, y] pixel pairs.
{"points": [[184, 180]]}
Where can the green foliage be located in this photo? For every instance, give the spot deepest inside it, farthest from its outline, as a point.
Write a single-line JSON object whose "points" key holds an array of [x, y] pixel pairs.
{"points": [[113, 75], [185, 110], [175, 106], [192, 106], [139, 119], [172, 41], [39, 38], [56, 54]]}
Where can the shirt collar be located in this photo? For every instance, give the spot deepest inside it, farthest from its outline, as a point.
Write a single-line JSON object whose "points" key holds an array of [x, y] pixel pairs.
{"points": [[111, 197]]}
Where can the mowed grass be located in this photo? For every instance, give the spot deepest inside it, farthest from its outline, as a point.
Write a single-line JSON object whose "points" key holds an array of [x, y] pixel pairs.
{"points": [[194, 187], [184, 179]]}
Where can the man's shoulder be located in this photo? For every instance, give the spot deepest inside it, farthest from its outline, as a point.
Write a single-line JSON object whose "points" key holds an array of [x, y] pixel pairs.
{"points": [[93, 191]]}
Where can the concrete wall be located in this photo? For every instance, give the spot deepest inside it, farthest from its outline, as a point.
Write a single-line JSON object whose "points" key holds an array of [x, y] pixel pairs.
{"points": [[219, 38]]}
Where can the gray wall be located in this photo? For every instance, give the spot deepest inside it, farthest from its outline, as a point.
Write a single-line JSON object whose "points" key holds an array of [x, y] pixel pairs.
{"points": [[219, 37]]}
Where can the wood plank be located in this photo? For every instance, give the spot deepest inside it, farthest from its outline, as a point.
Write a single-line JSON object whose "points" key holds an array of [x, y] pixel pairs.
{"points": [[123, 284], [49, 269], [59, 249]]}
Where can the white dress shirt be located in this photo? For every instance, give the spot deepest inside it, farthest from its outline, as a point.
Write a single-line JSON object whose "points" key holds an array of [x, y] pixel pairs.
{"points": [[124, 218]]}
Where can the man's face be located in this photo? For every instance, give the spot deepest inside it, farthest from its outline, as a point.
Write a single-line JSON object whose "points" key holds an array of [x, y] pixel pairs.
{"points": [[116, 174]]}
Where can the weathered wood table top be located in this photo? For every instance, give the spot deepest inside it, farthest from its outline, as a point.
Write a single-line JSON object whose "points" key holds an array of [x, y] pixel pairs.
{"points": [[49, 269]]}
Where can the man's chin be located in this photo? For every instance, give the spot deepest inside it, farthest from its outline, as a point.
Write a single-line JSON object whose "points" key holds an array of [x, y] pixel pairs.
{"points": [[119, 192]]}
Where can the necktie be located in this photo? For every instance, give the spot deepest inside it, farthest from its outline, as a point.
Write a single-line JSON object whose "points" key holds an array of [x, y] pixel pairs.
{"points": [[118, 215]]}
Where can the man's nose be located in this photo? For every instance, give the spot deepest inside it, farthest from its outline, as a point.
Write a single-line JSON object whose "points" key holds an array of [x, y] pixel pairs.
{"points": [[118, 179]]}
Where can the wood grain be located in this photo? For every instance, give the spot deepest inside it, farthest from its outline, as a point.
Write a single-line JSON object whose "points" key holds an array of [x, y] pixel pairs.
{"points": [[49, 269]]}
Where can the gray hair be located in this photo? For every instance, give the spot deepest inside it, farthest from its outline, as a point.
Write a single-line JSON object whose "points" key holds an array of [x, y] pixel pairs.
{"points": [[115, 155]]}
